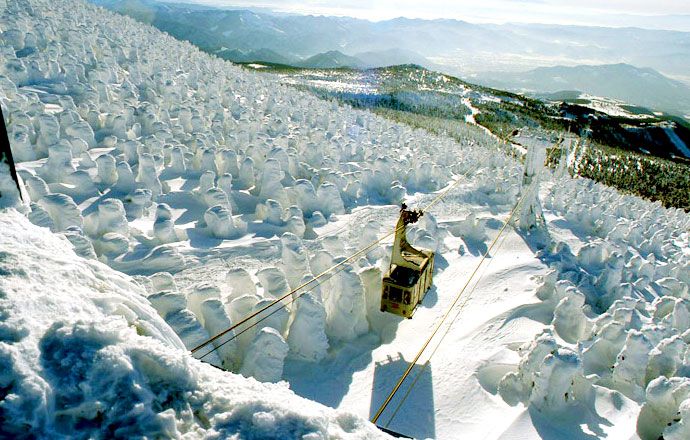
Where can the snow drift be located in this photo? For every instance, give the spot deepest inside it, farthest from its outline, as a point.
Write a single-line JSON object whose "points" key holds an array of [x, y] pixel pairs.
{"points": [[82, 353]]}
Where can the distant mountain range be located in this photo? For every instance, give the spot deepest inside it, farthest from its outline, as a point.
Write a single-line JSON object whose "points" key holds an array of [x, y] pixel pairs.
{"points": [[459, 46], [425, 95], [253, 56], [642, 87], [332, 59], [510, 52], [244, 36]]}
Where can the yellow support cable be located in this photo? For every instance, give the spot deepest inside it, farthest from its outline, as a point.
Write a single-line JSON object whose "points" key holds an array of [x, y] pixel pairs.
{"points": [[426, 364], [450, 309]]}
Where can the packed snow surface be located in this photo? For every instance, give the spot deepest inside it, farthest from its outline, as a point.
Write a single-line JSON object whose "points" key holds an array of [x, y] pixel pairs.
{"points": [[221, 189]]}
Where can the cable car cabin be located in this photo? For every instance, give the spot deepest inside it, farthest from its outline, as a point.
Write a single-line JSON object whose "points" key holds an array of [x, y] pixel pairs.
{"points": [[410, 272]]}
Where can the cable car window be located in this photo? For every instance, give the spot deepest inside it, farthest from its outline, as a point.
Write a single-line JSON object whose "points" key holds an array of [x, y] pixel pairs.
{"points": [[407, 297], [386, 289], [395, 294]]}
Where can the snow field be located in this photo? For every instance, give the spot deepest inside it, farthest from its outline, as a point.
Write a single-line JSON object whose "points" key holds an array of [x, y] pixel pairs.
{"points": [[227, 189], [84, 355], [142, 150]]}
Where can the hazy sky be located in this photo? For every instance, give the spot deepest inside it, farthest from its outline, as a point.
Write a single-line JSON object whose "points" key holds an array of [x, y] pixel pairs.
{"points": [[659, 14]]}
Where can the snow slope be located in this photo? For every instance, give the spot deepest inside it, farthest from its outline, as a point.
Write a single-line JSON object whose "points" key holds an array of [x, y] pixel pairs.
{"points": [[153, 157], [84, 355], [221, 189]]}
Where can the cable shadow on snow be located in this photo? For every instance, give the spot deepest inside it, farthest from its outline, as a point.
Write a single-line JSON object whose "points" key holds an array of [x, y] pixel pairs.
{"points": [[330, 382], [413, 416]]}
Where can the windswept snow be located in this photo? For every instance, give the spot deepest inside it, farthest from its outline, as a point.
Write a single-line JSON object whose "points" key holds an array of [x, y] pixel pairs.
{"points": [[222, 189], [84, 355]]}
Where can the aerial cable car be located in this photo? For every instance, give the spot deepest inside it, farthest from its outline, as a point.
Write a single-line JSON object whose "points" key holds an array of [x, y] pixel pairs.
{"points": [[410, 272]]}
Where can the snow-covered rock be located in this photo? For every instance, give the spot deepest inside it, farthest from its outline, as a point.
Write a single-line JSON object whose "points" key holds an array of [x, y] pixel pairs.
{"points": [[217, 321], [346, 312], [163, 225], [273, 281], [240, 283]]}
